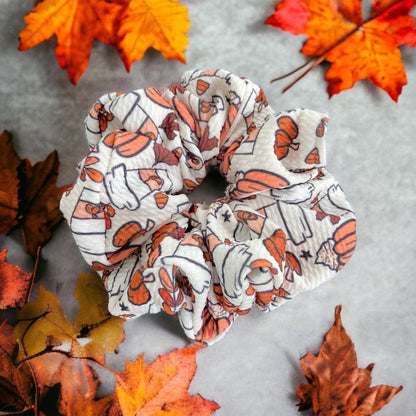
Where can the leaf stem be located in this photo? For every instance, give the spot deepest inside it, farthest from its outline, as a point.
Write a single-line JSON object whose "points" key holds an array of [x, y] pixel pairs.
{"points": [[35, 270], [313, 62]]}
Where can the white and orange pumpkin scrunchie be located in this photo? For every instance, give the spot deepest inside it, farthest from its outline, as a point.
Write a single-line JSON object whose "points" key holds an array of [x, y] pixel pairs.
{"points": [[282, 227]]}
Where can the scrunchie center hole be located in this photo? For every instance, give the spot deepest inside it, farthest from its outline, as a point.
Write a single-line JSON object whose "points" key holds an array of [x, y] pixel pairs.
{"points": [[212, 187]]}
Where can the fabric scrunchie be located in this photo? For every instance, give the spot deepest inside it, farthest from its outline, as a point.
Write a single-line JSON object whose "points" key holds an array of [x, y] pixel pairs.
{"points": [[282, 227]]}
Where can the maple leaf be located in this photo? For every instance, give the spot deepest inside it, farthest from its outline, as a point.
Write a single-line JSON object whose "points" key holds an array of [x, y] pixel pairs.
{"points": [[77, 381], [161, 24], [161, 387], [15, 284], [76, 24], [337, 387], [130, 26], [357, 49], [28, 195], [43, 327], [16, 383]]}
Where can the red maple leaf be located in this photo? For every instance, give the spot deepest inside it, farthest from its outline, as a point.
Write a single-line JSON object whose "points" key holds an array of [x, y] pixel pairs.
{"points": [[357, 49]]}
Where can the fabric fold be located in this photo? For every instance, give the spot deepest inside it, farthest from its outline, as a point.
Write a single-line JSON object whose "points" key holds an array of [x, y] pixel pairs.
{"points": [[282, 227]]}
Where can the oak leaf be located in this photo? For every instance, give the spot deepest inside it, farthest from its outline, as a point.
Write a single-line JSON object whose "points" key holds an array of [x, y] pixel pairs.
{"points": [[16, 383], [357, 49], [42, 325], [161, 387], [76, 24], [28, 195], [161, 24], [15, 284], [337, 387]]}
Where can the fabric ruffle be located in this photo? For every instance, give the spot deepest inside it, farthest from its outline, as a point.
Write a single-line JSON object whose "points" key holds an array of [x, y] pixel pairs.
{"points": [[282, 227]]}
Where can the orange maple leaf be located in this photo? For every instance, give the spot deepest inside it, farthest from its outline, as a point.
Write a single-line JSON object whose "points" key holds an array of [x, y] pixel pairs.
{"points": [[337, 387], [357, 49], [162, 25], [76, 24], [28, 195], [130, 26], [76, 381], [161, 387]]}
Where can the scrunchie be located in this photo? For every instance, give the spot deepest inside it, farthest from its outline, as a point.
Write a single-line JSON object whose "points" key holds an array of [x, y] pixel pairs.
{"points": [[282, 227]]}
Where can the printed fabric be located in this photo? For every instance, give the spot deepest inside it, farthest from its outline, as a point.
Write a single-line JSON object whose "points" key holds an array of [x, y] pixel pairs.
{"points": [[282, 227]]}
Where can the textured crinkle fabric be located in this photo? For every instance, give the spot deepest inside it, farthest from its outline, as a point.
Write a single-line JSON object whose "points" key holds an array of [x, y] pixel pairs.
{"points": [[282, 227]]}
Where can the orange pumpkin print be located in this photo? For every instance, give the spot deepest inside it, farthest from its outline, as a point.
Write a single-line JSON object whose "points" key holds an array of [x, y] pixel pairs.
{"points": [[257, 180], [345, 241], [130, 231], [285, 134], [130, 144], [138, 293]]}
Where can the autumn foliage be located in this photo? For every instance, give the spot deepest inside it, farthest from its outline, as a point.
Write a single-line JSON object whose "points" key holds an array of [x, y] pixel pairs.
{"points": [[48, 364], [130, 26], [29, 197], [336, 386], [15, 284], [357, 49]]}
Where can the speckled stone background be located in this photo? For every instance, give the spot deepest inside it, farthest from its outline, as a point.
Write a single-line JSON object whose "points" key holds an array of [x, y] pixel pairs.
{"points": [[254, 370]]}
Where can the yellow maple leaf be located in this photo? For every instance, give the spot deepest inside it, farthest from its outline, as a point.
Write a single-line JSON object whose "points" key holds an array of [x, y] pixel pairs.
{"points": [[43, 326], [160, 24]]}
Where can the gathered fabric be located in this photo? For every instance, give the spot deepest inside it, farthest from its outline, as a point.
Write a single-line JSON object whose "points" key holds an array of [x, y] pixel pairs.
{"points": [[283, 225]]}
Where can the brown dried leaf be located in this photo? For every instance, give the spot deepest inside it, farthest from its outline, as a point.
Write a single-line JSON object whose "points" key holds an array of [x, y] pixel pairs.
{"points": [[16, 383], [337, 387], [9, 184], [28, 195]]}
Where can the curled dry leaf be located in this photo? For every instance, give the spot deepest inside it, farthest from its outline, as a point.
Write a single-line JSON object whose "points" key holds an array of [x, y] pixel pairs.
{"points": [[28, 195], [357, 49], [15, 284], [131, 26], [337, 387], [42, 325]]}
